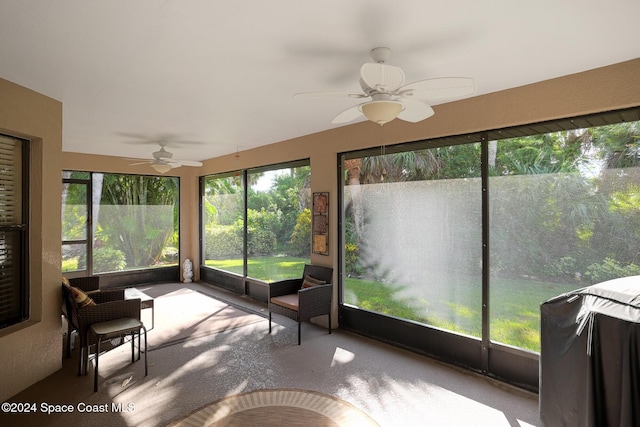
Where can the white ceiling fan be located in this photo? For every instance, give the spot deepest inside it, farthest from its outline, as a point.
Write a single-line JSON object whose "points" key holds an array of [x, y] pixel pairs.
{"points": [[163, 160], [389, 98]]}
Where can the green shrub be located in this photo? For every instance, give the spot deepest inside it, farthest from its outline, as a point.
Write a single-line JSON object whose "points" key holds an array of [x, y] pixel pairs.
{"points": [[169, 255], [108, 259], [353, 268], [300, 241], [610, 269], [565, 267], [261, 241], [69, 264], [223, 242]]}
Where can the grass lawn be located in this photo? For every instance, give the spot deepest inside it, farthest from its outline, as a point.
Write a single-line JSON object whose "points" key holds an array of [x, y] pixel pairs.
{"points": [[269, 269], [455, 306]]}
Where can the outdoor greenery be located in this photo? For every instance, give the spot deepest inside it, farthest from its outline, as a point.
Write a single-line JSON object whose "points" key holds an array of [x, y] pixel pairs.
{"points": [[278, 219], [516, 322], [136, 222], [139, 217], [269, 269], [564, 212]]}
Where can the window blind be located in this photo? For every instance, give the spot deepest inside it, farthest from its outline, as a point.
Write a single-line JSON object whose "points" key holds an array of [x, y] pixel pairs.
{"points": [[13, 294]]}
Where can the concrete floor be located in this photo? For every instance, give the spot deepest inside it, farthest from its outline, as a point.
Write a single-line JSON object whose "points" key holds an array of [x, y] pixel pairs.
{"points": [[395, 387]]}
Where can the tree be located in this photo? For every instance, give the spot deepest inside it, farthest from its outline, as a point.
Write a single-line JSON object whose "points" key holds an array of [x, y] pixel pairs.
{"points": [[138, 216], [568, 201], [301, 237], [287, 197]]}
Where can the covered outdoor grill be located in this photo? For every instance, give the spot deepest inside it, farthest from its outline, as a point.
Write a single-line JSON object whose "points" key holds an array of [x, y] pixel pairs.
{"points": [[590, 356]]}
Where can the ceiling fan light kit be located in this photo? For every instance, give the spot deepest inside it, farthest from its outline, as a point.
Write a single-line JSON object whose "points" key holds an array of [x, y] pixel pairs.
{"points": [[389, 98], [161, 168], [163, 160], [381, 112]]}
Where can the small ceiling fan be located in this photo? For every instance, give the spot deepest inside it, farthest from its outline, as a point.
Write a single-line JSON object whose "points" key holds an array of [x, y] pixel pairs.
{"points": [[163, 160], [389, 98]]}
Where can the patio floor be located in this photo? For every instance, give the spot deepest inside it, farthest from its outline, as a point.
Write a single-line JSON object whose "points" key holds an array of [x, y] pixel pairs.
{"points": [[393, 386]]}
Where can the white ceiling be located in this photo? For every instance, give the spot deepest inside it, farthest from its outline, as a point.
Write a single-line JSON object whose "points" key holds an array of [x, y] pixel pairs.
{"points": [[218, 76]]}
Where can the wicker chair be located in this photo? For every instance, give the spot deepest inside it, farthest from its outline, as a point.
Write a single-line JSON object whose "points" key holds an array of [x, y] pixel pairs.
{"points": [[86, 284], [110, 305], [291, 299]]}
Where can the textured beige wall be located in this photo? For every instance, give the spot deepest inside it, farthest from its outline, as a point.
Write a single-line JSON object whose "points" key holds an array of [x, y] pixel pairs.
{"points": [[32, 350]]}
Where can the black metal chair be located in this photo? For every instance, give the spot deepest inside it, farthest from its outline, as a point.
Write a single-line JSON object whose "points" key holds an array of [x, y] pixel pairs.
{"points": [[304, 298]]}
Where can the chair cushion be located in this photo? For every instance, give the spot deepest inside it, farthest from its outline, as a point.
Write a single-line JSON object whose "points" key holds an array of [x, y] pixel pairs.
{"points": [[116, 326], [309, 282], [81, 299], [290, 301]]}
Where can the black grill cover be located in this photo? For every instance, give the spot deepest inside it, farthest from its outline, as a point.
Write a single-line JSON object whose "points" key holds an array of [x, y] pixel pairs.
{"points": [[590, 356]]}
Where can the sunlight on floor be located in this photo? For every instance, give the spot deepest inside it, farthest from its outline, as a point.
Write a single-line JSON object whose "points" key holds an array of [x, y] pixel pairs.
{"points": [[341, 357]]}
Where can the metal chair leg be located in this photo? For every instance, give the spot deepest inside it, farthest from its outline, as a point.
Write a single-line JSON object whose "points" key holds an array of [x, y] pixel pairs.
{"points": [[69, 334], [133, 341], [146, 350], [95, 373], [80, 358]]}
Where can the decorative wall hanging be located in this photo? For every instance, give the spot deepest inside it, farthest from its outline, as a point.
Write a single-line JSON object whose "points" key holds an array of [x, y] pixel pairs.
{"points": [[320, 226]]}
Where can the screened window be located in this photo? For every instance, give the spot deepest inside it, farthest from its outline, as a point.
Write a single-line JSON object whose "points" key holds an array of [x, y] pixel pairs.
{"points": [[413, 235], [14, 285], [564, 214], [76, 221], [471, 234], [278, 222], [133, 222], [258, 226], [223, 222]]}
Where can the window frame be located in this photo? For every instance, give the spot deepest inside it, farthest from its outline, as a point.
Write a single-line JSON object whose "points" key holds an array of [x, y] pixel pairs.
{"points": [[22, 306], [90, 270], [239, 283]]}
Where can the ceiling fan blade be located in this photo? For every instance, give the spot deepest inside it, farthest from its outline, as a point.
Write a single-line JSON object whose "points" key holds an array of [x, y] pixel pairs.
{"points": [[415, 110], [382, 77], [141, 159], [185, 163], [140, 163], [439, 88], [348, 115], [167, 139], [329, 95]]}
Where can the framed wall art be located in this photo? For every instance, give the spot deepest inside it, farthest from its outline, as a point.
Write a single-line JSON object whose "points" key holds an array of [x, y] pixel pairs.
{"points": [[320, 224]]}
